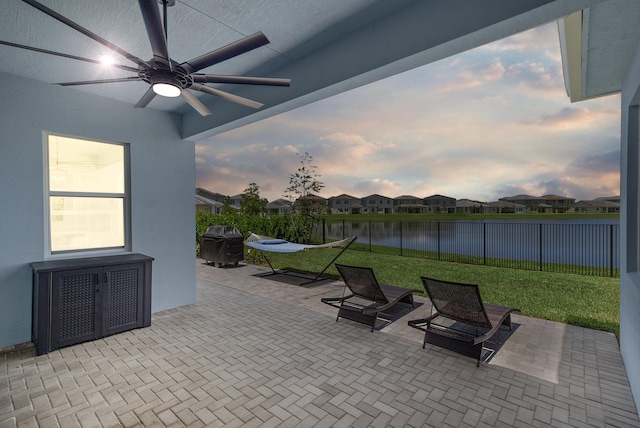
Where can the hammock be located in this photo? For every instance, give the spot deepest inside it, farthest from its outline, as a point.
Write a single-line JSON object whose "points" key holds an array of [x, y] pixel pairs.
{"points": [[272, 245]]}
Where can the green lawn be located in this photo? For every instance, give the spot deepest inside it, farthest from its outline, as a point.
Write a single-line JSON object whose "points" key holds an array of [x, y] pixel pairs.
{"points": [[585, 301]]}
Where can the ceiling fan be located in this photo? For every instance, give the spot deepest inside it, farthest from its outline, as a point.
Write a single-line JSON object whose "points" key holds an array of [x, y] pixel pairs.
{"points": [[165, 76]]}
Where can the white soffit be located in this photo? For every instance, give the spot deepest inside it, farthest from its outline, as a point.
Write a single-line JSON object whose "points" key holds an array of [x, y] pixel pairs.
{"points": [[598, 44], [570, 33]]}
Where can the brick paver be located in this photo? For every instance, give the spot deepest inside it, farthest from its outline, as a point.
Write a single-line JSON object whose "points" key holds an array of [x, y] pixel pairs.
{"points": [[258, 352]]}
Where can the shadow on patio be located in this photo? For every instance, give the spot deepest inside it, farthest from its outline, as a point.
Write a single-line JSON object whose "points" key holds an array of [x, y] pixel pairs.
{"points": [[258, 352]]}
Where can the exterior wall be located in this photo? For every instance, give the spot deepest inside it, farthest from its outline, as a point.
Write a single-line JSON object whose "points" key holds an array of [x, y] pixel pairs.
{"points": [[596, 209], [278, 207], [407, 201], [498, 209], [530, 203], [440, 203], [210, 208], [560, 204], [279, 211], [342, 204], [629, 227], [407, 205], [377, 204], [236, 201], [162, 183], [469, 209]]}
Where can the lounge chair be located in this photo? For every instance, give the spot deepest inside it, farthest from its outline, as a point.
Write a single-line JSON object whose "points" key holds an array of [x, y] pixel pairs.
{"points": [[367, 296], [461, 321]]}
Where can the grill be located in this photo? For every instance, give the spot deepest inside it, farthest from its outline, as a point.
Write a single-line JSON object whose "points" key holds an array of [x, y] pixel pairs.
{"points": [[222, 245]]}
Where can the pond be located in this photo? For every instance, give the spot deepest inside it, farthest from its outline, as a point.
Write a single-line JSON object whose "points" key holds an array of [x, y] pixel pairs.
{"points": [[590, 242]]}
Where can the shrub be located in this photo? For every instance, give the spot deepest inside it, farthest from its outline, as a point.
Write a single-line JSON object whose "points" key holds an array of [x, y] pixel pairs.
{"points": [[295, 228]]}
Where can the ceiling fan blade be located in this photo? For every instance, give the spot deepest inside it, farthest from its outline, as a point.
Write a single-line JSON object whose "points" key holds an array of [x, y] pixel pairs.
{"points": [[64, 55], [92, 82], [226, 95], [86, 32], [243, 80], [146, 98], [233, 49], [195, 103], [155, 31]]}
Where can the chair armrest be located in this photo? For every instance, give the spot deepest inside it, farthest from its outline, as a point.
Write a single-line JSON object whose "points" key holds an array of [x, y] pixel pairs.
{"points": [[335, 299]]}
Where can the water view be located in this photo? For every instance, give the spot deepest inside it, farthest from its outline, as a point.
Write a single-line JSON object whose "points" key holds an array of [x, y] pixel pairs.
{"points": [[532, 243]]}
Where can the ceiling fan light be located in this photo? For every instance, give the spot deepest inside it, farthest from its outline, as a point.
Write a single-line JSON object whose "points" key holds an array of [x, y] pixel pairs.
{"points": [[166, 90]]}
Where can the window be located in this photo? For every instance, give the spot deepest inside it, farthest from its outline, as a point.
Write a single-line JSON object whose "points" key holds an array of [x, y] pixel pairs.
{"points": [[87, 185]]}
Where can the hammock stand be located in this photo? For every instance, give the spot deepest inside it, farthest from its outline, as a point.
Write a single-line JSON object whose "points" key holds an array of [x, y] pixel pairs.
{"points": [[266, 244]]}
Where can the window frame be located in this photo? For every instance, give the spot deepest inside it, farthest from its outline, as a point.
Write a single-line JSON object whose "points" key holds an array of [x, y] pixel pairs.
{"points": [[48, 194], [633, 190]]}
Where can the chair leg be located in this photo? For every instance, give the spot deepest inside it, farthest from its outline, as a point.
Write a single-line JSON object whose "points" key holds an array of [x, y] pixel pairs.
{"points": [[507, 322]]}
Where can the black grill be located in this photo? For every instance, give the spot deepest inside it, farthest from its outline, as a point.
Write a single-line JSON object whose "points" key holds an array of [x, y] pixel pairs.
{"points": [[222, 244]]}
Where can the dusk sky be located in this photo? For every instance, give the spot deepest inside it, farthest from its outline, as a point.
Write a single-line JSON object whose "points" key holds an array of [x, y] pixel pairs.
{"points": [[491, 122]]}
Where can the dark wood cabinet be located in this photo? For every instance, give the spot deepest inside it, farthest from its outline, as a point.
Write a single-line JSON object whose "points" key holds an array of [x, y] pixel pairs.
{"points": [[77, 300]]}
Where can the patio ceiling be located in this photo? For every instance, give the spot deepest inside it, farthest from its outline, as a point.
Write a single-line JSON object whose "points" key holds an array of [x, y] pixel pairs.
{"points": [[326, 47]]}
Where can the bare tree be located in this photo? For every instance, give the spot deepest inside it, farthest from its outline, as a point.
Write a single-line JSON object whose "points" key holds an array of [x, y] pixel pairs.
{"points": [[305, 204], [305, 179]]}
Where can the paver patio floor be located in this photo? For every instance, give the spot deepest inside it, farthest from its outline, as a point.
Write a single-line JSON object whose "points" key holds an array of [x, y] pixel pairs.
{"points": [[259, 352]]}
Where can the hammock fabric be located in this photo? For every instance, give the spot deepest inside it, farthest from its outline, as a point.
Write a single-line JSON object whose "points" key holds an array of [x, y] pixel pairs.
{"points": [[273, 245]]}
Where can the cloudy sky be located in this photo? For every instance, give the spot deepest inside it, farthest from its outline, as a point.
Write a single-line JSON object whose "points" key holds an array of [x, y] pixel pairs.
{"points": [[491, 122]]}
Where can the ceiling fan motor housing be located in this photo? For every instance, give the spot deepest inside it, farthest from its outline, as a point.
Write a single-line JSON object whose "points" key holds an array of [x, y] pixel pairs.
{"points": [[176, 77]]}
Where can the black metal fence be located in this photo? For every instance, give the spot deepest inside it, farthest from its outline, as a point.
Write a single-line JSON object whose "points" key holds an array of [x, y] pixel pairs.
{"points": [[585, 249]]}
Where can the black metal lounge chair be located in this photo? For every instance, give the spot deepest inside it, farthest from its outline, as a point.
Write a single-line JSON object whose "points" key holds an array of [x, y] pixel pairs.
{"points": [[464, 322], [367, 296]]}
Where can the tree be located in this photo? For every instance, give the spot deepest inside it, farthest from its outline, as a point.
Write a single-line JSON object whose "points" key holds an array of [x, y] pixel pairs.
{"points": [[305, 204], [301, 183], [252, 203], [226, 206]]}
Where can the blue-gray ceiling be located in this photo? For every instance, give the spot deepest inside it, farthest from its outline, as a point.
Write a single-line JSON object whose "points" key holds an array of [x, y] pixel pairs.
{"points": [[325, 47]]}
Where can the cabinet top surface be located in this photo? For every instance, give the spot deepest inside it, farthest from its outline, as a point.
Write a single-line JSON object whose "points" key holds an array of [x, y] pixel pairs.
{"points": [[62, 264]]}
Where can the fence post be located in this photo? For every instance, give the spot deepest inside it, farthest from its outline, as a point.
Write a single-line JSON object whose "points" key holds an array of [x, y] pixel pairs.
{"points": [[611, 250], [438, 239], [324, 231], [401, 238], [370, 235], [540, 238], [484, 240], [342, 228]]}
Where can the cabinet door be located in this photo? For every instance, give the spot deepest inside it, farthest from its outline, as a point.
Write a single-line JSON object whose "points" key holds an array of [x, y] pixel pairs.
{"points": [[122, 298], [75, 299]]}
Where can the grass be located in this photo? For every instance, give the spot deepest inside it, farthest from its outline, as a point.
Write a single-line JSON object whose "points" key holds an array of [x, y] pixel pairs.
{"points": [[489, 261], [585, 301]]}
